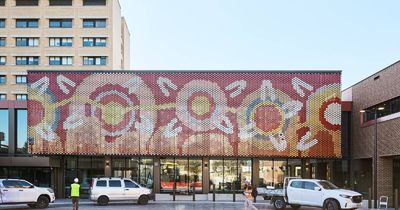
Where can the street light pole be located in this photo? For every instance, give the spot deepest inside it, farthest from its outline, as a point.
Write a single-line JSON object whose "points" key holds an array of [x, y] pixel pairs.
{"points": [[375, 158]]}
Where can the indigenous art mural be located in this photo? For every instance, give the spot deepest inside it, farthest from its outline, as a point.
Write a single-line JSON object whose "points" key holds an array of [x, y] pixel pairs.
{"points": [[248, 114]]}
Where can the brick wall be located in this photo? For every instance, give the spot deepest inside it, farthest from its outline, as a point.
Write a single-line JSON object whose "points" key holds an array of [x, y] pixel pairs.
{"points": [[385, 178], [378, 88]]}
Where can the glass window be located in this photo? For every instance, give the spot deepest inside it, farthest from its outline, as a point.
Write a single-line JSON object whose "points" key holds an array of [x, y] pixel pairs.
{"points": [[196, 175], [94, 23], [26, 2], [94, 42], [24, 184], [27, 60], [129, 184], [3, 79], [60, 42], [94, 61], [244, 172], [11, 184], [20, 79], [4, 131], [2, 41], [297, 184], [84, 163], [389, 107], [60, 61], [94, 2], [60, 3], [26, 42], [167, 174], [60, 23], [228, 174], [102, 183], [3, 60], [309, 185], [327, 185], [2, 23], [294, 168], [114, 183], [2, 2], [27, 23], [146, 173], [22, 131], [395, 105], [266, 173], [21, 97], [3, 97]]}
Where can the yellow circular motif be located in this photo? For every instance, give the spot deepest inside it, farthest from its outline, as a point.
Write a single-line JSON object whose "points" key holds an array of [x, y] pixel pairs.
{"points": [[201, 105]]}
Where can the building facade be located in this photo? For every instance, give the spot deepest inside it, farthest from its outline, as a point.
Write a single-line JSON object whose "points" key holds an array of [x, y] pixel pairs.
{"points": [[50, 35], [378, 93], [200, 129]]}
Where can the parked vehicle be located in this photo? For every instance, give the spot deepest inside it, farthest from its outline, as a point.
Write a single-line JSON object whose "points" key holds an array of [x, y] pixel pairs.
{"points": [[299, 192], [17, 191], [105, 190]]}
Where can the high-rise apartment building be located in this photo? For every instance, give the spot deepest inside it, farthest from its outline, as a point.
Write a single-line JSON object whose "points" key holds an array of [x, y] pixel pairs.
{"points": [[59, 35], [50, 35]]}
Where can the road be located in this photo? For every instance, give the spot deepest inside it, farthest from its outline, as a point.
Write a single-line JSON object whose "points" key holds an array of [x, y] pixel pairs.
{"points": [[156, 206]]}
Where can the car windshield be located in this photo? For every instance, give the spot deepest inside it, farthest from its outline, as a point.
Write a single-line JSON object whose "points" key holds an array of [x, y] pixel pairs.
{"points": [[327, 185]]}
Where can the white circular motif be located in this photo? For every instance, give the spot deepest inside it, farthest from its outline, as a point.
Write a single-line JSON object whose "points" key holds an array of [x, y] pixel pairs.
{"points": [[332, 113], [217, 114]]}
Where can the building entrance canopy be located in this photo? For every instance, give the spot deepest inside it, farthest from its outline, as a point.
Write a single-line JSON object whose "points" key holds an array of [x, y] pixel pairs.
{"points": [[245, 114]]}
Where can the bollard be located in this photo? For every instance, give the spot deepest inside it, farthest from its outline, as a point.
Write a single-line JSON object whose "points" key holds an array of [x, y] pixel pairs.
{"points": [[154, 193], [194, 193], [234, 192], [174, 192], [396, 199], [213, 192], [369, 198]]}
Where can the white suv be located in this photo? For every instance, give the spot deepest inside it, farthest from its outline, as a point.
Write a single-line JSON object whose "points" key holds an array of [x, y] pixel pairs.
{"points": [[16, 191], [104, 190]]}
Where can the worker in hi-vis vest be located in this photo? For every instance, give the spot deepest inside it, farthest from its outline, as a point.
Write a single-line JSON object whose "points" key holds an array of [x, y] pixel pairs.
{"points": [[75, 188]]}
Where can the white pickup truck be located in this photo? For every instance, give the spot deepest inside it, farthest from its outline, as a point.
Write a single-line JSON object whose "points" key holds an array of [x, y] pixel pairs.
{"points": [[16, 191], [299, 192]]}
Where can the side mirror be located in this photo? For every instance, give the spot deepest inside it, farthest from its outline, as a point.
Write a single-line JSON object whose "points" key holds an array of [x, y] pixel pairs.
{"points": [[317, 188]]}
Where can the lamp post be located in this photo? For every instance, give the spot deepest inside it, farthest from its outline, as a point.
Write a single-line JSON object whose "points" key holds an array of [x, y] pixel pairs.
{"points": [[375, 160]]}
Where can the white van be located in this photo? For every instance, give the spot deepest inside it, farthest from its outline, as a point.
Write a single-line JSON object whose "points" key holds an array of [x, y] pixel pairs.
{"points": [[104, 190], [16, 191]]}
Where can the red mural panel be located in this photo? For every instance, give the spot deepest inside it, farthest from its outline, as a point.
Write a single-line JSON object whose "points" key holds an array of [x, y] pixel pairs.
{"points": [[241, 114]]}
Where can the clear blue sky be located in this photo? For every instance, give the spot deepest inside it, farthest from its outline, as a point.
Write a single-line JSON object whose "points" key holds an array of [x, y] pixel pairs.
{"points": [[358, 37]]}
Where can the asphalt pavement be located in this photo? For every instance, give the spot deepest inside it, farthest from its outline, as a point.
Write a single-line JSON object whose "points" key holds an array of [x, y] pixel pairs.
{"points": [[157, 205]]}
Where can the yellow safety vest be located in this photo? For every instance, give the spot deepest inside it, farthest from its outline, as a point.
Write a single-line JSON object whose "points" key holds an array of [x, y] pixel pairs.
{"points": [[75, 190]]}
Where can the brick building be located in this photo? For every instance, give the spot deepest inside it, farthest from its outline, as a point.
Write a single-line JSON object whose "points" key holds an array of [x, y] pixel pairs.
{"points": [[378, 93]]}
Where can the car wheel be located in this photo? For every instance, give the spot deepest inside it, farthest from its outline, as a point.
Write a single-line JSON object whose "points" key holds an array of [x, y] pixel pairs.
{"points": [[32, 205], [103, 200], [294, 206], [331, 205], [42, 202], [143, 200], [279, 204]]}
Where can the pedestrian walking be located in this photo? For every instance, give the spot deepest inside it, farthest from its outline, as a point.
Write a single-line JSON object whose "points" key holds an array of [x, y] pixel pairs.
{"points": [[248, 193], [75, 191]]}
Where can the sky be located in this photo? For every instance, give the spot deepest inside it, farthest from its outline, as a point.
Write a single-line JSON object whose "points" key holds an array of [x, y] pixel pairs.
{"points": [[359, 37]]}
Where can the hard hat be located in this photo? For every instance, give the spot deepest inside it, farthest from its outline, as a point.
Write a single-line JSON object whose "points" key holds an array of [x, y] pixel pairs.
{"points": [[76, 180]]}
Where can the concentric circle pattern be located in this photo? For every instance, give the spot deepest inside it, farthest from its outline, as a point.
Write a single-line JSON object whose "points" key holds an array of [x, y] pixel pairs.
{"points": [[261, 114]]}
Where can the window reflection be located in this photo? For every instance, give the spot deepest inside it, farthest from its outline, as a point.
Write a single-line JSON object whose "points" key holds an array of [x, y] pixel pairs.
{"points": [[4, 131], [272, 173], [183, 173], [138, 169], [229, 174], [22, 131]]}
